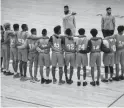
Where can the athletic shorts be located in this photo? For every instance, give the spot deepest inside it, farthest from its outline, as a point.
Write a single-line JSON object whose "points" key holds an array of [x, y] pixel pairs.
{"points": [[108, 59], [44, 59], [23, 55], [13, 53], [70, 58], [81, 59], [119, 57], [57, 58], [6, 52], [33, 58], [95, 59]]}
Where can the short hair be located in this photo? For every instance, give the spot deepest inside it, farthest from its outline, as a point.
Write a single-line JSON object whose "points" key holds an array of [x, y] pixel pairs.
{"points": [[120, 28], [15, 26], [81, 31], [44, 32], [94, 32], [1, 27], [23, 26], [7, 25], [33, 30], [108, 8], [68, 31], [66, 6], [57, 29]]}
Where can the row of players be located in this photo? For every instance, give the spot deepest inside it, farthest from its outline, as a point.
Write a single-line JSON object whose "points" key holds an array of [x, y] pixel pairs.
{"points": [[66, 50]]}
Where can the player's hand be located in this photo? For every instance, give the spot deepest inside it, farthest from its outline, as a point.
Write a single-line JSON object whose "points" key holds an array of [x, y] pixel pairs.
{"points": [[74, 13]]}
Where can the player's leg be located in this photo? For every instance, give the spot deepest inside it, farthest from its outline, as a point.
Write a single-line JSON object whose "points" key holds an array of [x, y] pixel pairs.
{"points": [[47, 64], [4, 60], [85, 64], [111, 67], [92, 65], [54, 63], [20, 62], [60, 58]]}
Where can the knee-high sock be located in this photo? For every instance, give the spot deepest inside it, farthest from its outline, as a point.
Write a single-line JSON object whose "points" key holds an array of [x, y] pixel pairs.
{"points": [[78, 72], [71, 72], [60, 73], [41, 72], [84, 75], [106, 72], [122, 70], [20, 67], [1, 61], [117, 70], [98, 73], [65, 69], [47, 71], [92, 73], [35, 71], [111, 71], [53, 72], [25, 68]]}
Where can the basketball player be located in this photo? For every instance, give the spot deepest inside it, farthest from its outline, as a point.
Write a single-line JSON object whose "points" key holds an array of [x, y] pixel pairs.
{"points": [[6, 48], [119, 55], [14, 50], [55, 43], [32, 55], [108, 59], [23, 53], [2, 40], [70, 49], [44, 57], [81, 57], [94, 46], [69, 20]]}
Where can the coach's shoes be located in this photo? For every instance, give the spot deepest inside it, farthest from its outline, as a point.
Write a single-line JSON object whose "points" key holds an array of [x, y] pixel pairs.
{"points": [[84, 83], [104, 80], [61, 82], [43, 81], [54, 81], [78, 83], [16, 75], [48, 81], [97, 83], [9, 73], [93, 83]]}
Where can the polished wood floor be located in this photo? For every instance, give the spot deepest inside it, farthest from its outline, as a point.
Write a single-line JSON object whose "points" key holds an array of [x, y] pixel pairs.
{"points": [[46, 14]]}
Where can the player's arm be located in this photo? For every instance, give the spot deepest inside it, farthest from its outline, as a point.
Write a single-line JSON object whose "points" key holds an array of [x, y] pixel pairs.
{"points": [[74, 22], [23, 46], [113, 20], [37, 47], [104, 48], [34, 38], [102, 23], [89, 47], [7, 38]]}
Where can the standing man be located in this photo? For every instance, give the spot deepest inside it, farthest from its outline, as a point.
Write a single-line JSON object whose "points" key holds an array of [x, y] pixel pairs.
{"points": [[108, 23], [69, 20]]}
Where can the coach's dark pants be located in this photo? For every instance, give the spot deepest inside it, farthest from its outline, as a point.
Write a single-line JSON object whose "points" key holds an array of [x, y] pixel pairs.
{"points": [[107, 32]]}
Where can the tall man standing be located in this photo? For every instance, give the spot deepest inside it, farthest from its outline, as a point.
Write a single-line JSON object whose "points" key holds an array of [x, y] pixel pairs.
{"points": [[108, 23], [69, 20]]}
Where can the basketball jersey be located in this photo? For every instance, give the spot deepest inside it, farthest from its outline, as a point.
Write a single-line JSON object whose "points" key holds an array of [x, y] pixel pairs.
{"points": [[31, 45], [69, 44], [44, 42], [112, 43], [82, 43], [22, 36], [57, 46], [120, 42], [96, 44], [13, 41]]}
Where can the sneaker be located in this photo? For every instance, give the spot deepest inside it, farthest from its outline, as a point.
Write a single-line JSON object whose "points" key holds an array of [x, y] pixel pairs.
{"points": [[116, 78], [110, 79], [23, 79], [61, 82], [2, 69], [104, 80], [97, 83], [9, 73], [78, 83], [70, 81], [36, 79], [32, 80], [93, 83], [54, 81], [43, 81], [16, 75], [121, 77], [48, 81], [4, 72], [84, 83]]}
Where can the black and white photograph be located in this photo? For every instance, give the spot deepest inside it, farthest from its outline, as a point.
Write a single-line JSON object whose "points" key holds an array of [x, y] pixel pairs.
{"points": [[62, 53]]}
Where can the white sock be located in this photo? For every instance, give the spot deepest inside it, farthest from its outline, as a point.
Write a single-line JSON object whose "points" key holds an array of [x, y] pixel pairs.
{"points": [[47, 77], [84, 80]]}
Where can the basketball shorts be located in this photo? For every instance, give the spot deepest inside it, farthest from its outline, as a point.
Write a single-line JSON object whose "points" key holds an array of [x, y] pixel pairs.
{"points": [[119, 57], [44, 59], [70, 58], [108, 59], [95, 59], [23, 55], [33, 58], [81, 59], [13, 53], [57, 58]]}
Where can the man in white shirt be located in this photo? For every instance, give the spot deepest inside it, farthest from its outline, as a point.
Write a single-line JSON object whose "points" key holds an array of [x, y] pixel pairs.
{"points": [[69, 20]]}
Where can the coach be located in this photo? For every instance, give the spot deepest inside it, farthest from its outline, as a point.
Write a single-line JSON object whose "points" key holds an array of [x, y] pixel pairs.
{"points": [[69, 20], [108, 23]]}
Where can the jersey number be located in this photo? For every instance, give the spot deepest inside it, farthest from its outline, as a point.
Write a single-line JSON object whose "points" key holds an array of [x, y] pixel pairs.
{"points": [[96, 47], [56, 45], [81, 47], [70, 46]]}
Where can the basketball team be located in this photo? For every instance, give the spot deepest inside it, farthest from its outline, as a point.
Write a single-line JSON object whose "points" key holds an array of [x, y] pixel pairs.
{"points": [[63, 51]]}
